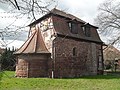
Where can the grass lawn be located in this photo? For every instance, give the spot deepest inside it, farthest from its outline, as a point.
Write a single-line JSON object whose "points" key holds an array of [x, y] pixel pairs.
{"points": [[101, 82]]}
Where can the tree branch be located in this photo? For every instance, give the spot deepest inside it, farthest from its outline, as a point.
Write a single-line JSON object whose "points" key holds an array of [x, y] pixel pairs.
{"points": [[17, 4]]}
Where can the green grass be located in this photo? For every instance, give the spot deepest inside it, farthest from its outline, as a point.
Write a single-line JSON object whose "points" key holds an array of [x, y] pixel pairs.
{"points": [[108, 82]]}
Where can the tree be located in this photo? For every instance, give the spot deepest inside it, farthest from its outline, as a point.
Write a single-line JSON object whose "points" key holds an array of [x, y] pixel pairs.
{"points": [[26, 10], [29, 7], [8, 59], [108, 20]]}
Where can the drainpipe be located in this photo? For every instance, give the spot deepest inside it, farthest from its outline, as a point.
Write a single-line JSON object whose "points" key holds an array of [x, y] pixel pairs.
{"points": [[102, 58], [53, 68], [53, 54], [52, 74]]}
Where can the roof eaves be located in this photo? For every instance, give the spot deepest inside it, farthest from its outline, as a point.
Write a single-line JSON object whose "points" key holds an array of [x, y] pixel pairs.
{"points": [[75, 38]]}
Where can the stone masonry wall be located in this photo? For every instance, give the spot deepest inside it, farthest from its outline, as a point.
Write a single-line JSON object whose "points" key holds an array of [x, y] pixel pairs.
{"points": [[83, 63], [21, 68], [32, 66]]}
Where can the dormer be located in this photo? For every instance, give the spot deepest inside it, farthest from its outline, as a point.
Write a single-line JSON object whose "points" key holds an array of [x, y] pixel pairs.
{"points": [[87, 29], [73, 26]]}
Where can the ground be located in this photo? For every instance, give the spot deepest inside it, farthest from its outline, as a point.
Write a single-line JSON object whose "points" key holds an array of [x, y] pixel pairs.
{"points": [[100, 82]]}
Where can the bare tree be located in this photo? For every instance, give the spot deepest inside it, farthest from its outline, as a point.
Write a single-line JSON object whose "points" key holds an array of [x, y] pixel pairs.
{"points": [[108, 20], [30, 7], [27, 10]]}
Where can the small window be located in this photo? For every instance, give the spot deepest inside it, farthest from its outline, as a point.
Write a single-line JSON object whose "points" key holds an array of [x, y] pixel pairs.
{"points": [[86, 30], [73, 27], [74, 51]]}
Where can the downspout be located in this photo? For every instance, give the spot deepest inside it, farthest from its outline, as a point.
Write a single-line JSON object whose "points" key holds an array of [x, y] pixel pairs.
{"points": [[52, 73], [100, 64], [102, 58], [53, 61]]}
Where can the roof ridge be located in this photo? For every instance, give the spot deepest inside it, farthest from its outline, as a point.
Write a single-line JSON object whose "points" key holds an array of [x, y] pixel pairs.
{"points": [[60, 13], [67, 14]]}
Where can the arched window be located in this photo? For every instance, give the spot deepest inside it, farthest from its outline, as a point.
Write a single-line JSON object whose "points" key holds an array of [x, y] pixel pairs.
{"points": [[74, 51]]}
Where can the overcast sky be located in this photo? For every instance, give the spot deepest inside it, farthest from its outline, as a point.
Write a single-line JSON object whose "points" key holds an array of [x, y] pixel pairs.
{"points": [[84, 9]]}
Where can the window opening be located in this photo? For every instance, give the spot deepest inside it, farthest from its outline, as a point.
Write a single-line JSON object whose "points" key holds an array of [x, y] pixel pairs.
{"points": [[74, 51], [86, 29], [73, 27]]}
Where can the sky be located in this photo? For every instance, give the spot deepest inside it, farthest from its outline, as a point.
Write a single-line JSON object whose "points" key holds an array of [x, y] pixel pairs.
{"points": [[83, 9]]}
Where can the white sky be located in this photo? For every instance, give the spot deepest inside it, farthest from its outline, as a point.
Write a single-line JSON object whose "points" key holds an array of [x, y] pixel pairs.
{"points": [[83, 9]]}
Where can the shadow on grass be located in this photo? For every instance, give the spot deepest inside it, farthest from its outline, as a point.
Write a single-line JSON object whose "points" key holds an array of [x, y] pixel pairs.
{"points": [[109, 76], [101, 77]]}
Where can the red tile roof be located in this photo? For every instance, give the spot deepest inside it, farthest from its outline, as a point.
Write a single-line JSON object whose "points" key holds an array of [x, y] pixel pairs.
{"points": [[62, 29], [60, 13], [34, 44]]}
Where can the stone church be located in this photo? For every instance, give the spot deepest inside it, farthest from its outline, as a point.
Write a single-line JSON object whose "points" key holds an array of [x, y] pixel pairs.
{"points": [[60, 45]]}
